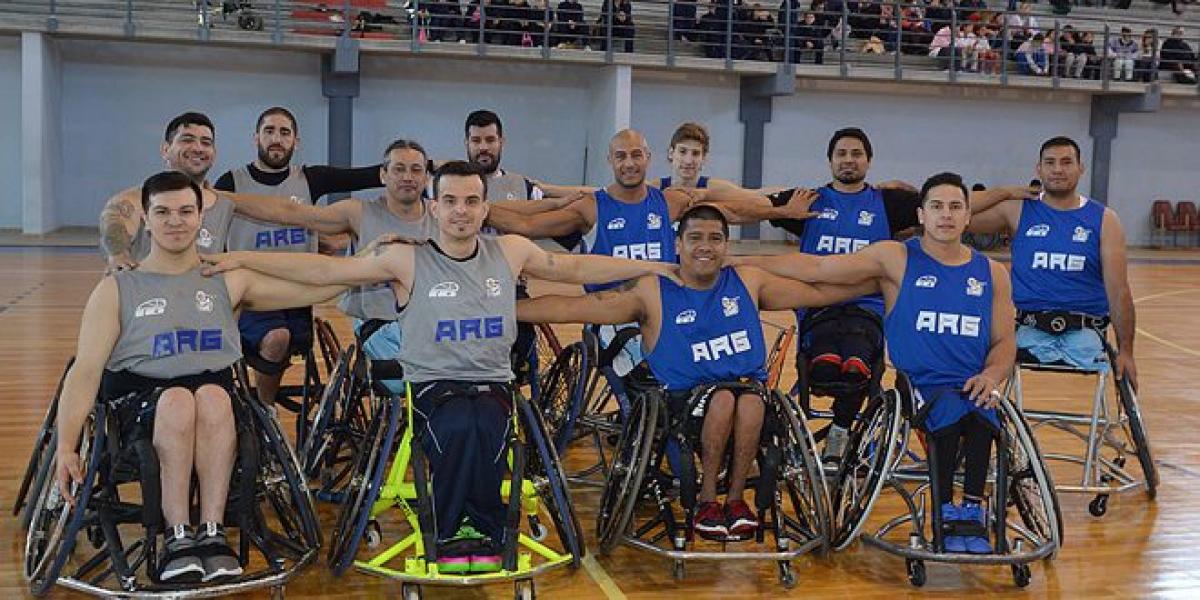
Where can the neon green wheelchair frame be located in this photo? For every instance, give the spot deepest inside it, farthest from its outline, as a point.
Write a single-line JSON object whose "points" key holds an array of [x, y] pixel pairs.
{"points": [[399, 490]]}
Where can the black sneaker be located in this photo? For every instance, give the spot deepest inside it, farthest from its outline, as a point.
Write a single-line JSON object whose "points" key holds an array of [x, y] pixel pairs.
{"points": [[180, 562], [220, 561]]}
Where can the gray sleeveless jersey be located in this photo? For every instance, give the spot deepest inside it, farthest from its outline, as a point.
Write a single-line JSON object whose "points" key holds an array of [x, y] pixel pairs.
{"points": [[252, 234], [460, 322], [214, 231], [174, 325], [377, 301], [509, 186]]}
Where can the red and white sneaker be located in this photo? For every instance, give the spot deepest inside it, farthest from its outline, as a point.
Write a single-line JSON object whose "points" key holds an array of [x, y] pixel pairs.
{"points": [[710, 522], [742, 522]]}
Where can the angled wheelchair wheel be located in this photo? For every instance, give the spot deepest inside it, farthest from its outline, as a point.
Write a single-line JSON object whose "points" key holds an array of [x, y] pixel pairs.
{"points": [[1137, 433], [1030, 487], [55, 525], [318, 440], [363, 488], [871, 451], [545, 469], [802, 476], [37, 471], [627, 471], [285, 506], [562, 393]]}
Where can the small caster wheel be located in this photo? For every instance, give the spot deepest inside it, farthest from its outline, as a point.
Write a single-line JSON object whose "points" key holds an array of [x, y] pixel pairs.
{"points": [[1021, 575], [916, 572], [374, 535], [523, 590], [1099, 505], [1119, 461], [538, 531], [678, 571], [786, 576], [410, 591]]}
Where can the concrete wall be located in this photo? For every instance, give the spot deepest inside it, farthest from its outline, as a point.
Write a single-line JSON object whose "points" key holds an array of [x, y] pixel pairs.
{"points": [[1154, 157], [10, 124], [662, 101]]}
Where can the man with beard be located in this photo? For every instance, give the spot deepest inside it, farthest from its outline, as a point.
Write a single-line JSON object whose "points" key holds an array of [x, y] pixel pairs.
{"points": [[844, 342], [1069, 267], [273, 335], [189, 147]]}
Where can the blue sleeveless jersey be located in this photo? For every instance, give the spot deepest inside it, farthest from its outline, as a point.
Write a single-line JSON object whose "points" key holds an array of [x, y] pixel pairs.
{"points": [[846, 223], [940, 329], [1056, 259], [639, 231], [701, 182], [708, 336]]}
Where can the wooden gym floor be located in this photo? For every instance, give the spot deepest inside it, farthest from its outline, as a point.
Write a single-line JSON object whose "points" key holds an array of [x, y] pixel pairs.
{"points": [[1139, 549]]}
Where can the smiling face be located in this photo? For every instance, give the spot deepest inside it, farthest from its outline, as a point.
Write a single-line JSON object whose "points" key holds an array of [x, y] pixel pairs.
{"points": [[173, 219], [944, 213], [404, 175], [702, 247], [191, 151], [484, 147], [460, 206], [276, 140], [687, 159], [629, 157]]}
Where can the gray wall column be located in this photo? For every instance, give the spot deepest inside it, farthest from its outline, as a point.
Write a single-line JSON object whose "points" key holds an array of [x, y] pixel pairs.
{"points": [[1103, 127], [340, 84], [754, 111], [41, 131], [610, 111]]}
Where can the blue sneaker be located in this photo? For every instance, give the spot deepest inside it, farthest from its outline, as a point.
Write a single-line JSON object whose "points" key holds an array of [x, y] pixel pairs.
{"points": [[952, 543], [975, 544]]}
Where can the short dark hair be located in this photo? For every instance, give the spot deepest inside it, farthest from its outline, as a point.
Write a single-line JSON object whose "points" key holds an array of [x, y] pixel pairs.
{"points": [[691, 131], [946, 178], [1059, 142], [850, 132], [403, 144], [978, 187], [278, 110], [188, 118], [702, 212], [458, 168], [483, 118], [169, 181]]}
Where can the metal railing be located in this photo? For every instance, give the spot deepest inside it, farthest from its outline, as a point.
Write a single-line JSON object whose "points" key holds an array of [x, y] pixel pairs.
{"points": [[896, 40]]}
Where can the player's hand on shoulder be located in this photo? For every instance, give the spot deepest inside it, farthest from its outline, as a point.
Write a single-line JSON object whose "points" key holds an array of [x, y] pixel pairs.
{"points": [[220, 263], [800, 204], [120, 262]]}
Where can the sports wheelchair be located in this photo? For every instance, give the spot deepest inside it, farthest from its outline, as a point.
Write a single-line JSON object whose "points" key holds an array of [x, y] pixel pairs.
{"points": [[790, 494], [1112, 431], [1022, 501], [536, 487], [269, 506]]}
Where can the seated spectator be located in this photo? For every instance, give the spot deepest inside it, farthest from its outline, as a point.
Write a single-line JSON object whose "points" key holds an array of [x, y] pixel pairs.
{"points": [[809, 40], [570, 30], [944, 40], [968, 10], [1178, 58], [986, 56], [1070, 52], [1086, 44], [622, 26], [683, 19], [885, 28], [1032, 58], [863, 18], [1021, 26], [445, 20], [1124, 52], [1147, 61], [916, 35], [756, 34], [539, 23], [939, 15], [713, 24]]}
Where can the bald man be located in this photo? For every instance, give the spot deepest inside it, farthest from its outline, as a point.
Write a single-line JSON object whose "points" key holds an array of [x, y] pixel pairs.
{"points": [[630, 219]]}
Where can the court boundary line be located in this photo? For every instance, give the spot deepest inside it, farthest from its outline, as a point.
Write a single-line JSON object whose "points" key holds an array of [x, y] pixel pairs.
{"points": [[601, 577]]}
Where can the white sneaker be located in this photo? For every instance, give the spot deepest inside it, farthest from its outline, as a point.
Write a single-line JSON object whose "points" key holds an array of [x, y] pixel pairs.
{"points": [[835, 444]]}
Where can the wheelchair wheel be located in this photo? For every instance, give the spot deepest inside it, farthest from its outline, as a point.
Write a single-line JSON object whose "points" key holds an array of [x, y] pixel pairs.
{"points": [[363, 488], [1137, 433], [318, 440], [803, 477], [623, 486], [55, 525], [1030, 487], [871, 452], [546, 471], [38, 471], [561, 394], [285, 505]]}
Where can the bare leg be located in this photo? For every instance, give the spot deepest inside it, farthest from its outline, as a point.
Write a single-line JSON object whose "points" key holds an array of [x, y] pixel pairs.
{"points": [[718, 422], [216, 441], [747, 431], [174, 441], [274, 347]]}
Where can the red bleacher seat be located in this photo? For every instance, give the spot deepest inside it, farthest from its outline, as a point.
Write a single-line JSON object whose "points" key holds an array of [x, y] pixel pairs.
{"points": [[1162, 221], [1186, 217]]}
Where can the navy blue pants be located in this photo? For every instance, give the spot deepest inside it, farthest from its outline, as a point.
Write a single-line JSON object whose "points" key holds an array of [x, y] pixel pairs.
{"points": [[463, 427]]}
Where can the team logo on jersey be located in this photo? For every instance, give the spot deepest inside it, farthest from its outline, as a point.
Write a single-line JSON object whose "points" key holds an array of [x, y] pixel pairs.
{"points": [[926, 281], [298, 200], [865, 218], [828, 213], [445, 289], [1081, 234], [151, 308], [204, 301], [729, 305], [975, 286], [1039, 230], [653, 221], [685, 317], [493, 286], [204, 239], [617, 223]]}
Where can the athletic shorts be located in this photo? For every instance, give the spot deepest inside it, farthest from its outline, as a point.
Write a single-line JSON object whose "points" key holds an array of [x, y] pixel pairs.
{"points": [[135, 398], [254, 326], [384, 344], [1081, 348]]}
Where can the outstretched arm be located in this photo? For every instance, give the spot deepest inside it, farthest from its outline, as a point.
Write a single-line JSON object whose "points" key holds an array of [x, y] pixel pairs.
{"points": [[335, 218], [986, 199], [579, 268], [390, 262], [533, 207], [780, 293], [621, 305], [739, 205], [834, 268], [259, 291], [1115, 267], [983, 388], [562, 191], [545, 224]]}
